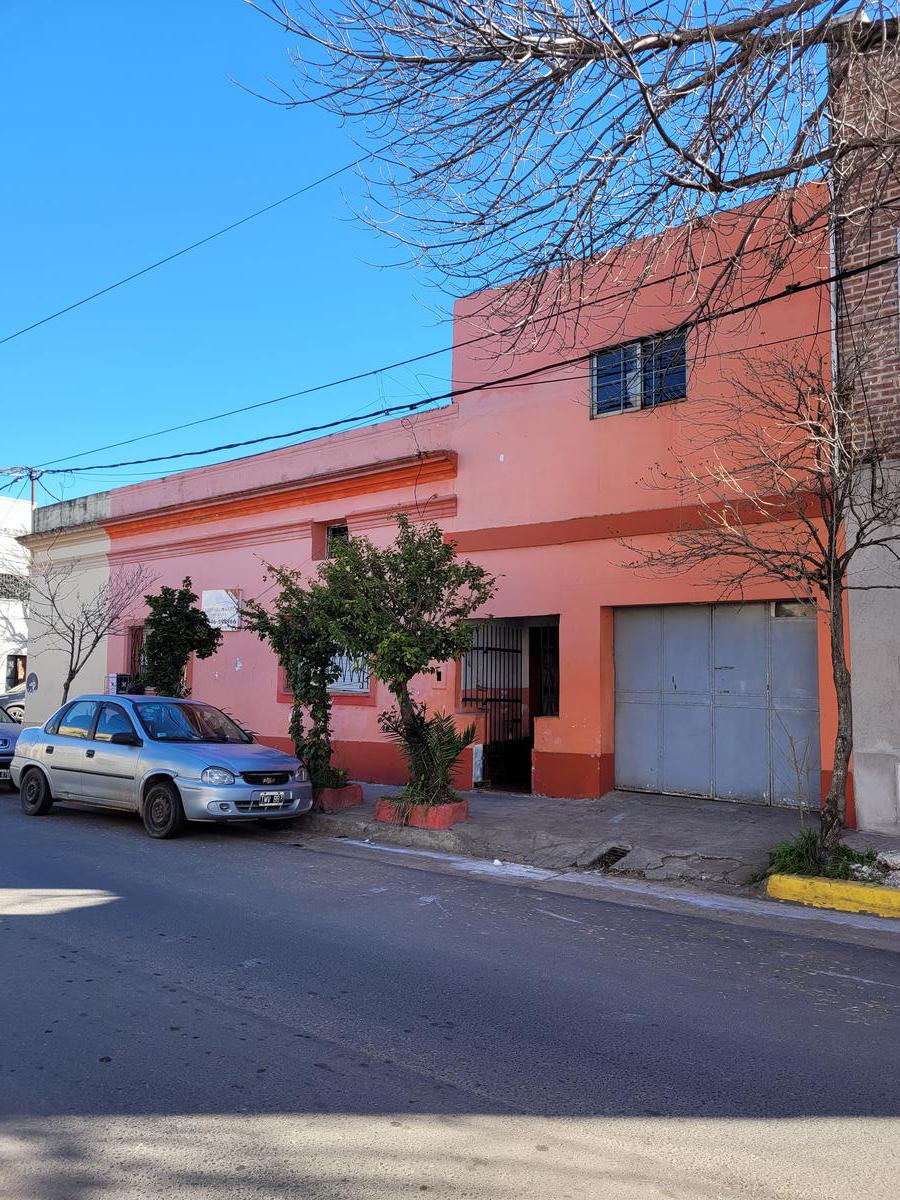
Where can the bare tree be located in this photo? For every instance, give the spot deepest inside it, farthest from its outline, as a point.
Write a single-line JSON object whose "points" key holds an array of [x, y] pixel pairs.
{"points": [[520, 140], [785, 478], [67, 617]]}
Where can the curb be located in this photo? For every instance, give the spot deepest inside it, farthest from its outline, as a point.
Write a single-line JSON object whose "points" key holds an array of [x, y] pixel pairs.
{"points": [[363, 827], [841, 894]]}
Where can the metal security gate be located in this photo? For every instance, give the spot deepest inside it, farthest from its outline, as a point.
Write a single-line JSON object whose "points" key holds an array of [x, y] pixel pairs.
{"points": [[493, 683], [718, 700]]}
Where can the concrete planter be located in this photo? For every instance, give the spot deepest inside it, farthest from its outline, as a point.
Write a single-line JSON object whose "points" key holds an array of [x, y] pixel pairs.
{"points": [[440, 816], [336, 798]]}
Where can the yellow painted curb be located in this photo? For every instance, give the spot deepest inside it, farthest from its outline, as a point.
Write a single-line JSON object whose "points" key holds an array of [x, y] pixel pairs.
{"points": [[836, 893]]}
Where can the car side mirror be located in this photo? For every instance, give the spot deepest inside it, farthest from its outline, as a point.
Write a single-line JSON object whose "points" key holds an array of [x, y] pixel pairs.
{"points": [[125, 739]]}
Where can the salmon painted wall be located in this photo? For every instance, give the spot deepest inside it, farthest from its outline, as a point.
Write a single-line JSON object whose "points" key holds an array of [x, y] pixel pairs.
{"points": [[521, 476]]}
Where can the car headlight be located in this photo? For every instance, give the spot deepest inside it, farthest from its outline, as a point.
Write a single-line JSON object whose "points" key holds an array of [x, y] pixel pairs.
{"points": [[217, 776], [301, 775]]}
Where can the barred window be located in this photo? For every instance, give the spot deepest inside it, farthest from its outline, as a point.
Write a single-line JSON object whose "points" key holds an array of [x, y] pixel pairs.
{"points": [[354, 675], [335, 534], [639, 374]]}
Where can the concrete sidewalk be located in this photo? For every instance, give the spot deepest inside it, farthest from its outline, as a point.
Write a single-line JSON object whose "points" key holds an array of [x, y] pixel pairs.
{"points": [[711, 842]]}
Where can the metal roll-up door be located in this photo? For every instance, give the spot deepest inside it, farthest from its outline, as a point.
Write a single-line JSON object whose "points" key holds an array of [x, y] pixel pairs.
{"points": [[718, 700]]}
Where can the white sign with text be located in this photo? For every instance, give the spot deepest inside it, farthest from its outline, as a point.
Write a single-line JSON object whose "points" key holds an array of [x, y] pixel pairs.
{"points": [[223, 607]]}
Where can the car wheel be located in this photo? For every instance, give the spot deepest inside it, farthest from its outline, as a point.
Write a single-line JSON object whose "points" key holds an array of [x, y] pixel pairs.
{"points": [[34, 793], [163, 812]]}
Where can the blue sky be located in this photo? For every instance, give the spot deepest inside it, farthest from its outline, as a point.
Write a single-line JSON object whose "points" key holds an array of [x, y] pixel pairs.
{"points": [[124, 138]]}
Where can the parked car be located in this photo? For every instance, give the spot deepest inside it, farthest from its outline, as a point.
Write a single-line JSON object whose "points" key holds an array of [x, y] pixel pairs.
{"points": [[10, 729], [169, 760], [14, 703]]}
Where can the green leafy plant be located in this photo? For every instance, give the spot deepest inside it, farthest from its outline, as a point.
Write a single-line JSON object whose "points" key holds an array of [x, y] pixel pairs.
{"points": [[175, 629], [801, 855], [296, 630], [430, 757], [405, 609]]}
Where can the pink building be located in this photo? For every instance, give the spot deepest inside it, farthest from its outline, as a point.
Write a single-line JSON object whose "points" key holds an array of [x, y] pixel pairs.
{"points": [[589, 673]]}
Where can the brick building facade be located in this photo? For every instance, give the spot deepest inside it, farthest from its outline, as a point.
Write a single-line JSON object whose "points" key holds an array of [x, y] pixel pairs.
{"points": [[865, 72]]}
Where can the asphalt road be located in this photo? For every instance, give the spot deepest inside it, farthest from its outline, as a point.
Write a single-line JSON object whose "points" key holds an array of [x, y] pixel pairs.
{"points": [[231, 1015]]}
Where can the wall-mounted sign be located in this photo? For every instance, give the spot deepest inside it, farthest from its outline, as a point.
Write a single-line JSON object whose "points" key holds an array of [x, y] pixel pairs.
{"points": [[223, 607], [31, 684]]}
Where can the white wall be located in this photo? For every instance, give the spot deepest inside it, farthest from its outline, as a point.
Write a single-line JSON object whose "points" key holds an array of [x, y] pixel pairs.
{"points": [[47, 661], [15, 520], [875, 675]]}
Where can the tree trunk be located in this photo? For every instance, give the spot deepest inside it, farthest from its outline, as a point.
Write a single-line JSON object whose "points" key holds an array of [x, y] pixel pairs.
{"points": [[412, 718], [832, 816], [409, 713], [65, 691]]}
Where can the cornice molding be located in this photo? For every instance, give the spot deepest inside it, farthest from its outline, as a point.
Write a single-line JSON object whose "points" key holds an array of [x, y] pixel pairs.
{"points": [[410, 471], [433, 508]]}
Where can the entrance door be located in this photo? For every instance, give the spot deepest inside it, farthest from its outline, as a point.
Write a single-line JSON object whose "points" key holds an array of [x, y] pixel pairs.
{"points": [[493, 683], [718, 700]]}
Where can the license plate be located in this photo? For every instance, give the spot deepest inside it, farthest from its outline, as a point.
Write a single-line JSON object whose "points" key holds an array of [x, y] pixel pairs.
{"points": [[4, 775], [269, 799]]}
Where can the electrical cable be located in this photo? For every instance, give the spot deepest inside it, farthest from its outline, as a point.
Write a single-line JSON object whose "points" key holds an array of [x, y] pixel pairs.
{"points": [[185, 249], [405, 362], [790, 290]]}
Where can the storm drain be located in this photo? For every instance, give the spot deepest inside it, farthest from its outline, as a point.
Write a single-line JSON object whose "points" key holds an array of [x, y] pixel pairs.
{"points": [[606, 858]]}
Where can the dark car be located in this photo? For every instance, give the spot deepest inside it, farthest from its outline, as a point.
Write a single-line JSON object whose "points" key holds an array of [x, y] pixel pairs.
{"points": [[10, 729]]}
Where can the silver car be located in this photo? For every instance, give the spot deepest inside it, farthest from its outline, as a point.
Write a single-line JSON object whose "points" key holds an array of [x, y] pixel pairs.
{"points": [[172, 761], [10, 729]]}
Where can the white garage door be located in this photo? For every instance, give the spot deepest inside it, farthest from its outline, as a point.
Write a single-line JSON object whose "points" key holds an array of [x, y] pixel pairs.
{"points": [[718, 700]]}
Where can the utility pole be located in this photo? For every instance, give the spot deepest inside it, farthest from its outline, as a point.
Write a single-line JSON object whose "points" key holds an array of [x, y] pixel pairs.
{"points": [[30, 473]]}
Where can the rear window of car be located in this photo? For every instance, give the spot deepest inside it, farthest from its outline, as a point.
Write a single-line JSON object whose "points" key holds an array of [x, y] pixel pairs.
{"points": [[77, 720]]}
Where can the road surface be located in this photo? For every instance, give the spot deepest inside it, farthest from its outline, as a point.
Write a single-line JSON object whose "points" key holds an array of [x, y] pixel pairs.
{"points": [[233, 1015]]}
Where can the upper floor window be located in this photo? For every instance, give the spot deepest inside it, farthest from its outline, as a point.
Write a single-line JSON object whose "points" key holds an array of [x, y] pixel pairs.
{"points": [[333, 535], [639, 374]]}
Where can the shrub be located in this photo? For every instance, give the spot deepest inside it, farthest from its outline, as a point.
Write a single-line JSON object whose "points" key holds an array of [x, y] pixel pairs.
{"points": [[801, 856], [175, 629], [430, 756], [307, 653]]}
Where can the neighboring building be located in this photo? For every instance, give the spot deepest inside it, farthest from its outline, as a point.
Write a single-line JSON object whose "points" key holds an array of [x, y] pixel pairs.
{"points": [[868, 316], [589, 673], [15, 520]]}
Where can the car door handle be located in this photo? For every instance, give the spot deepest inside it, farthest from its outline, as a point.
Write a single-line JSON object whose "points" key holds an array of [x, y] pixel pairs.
{"points": [[89, 753]]}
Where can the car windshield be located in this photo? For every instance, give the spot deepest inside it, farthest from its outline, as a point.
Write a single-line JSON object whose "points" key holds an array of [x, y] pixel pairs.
{"points": [[169, 721]]}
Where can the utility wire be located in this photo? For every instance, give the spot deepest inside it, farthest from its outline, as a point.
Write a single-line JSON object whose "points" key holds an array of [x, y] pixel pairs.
{"points": [[706, 318], [500, 384], [405, 362], [160, 262]]}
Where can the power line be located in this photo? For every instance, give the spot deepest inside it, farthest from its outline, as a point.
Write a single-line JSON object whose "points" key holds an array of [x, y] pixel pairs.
{"points": [[245, 408], [497, 384], [706, 318], [160, 262], [405, 362]]}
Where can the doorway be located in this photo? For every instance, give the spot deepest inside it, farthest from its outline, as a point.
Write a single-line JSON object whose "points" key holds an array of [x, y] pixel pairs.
{"points": [[511, 675]]}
